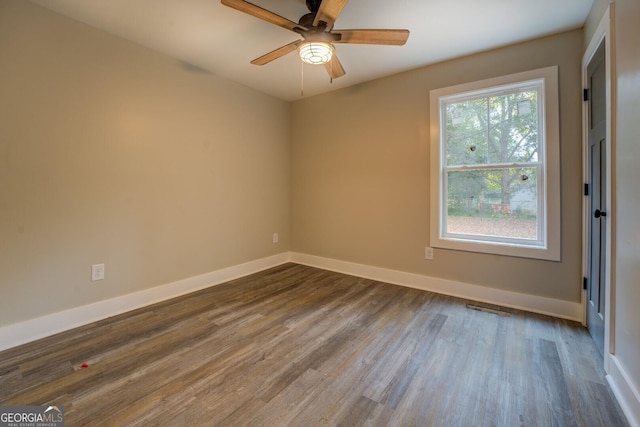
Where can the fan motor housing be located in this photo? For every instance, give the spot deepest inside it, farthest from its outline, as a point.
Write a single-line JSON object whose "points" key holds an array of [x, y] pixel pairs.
{"points": [[313, 5], [307, 20]]}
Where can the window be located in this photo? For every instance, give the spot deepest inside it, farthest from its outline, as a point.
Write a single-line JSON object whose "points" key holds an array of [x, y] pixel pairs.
{"points": [[495, 184]]}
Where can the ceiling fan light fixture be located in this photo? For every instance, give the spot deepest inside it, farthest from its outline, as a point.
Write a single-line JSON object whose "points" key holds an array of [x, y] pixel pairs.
{"points": [[315, 52]]}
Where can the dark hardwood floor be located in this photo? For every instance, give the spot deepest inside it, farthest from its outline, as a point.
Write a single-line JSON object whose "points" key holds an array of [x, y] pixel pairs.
{"points": [[300, 346]]}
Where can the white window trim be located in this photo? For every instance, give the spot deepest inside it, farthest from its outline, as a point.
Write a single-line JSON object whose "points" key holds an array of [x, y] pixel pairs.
{"points": [[551, 250]]}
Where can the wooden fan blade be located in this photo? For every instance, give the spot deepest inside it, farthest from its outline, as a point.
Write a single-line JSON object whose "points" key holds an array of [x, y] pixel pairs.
{"points": [[334, 67], [386, 37], [264, 14], [275, 54], [329, 11]]}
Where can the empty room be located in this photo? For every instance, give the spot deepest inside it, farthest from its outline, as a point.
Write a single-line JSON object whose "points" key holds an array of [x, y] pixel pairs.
{"points": [[319, 213]]}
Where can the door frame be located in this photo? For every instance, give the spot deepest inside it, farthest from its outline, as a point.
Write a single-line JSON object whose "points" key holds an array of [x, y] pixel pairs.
{"points": [[604, 32]]}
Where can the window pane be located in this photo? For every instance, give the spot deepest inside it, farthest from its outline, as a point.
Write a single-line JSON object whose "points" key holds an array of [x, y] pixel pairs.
{"points": [[466, 133], [493, 130], [498, 202], [513, 128]]}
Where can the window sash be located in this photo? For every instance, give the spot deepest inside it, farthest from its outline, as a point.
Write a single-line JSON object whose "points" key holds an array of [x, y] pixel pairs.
{"points": [[536, 85], [539, 241]]}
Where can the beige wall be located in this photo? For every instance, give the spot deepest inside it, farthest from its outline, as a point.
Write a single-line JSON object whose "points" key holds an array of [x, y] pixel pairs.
{"points": [[627, 194], [360, 174], [111, 153]]}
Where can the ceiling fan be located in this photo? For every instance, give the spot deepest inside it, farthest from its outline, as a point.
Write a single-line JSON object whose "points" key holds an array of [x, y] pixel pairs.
{"points": [[318, 35]]}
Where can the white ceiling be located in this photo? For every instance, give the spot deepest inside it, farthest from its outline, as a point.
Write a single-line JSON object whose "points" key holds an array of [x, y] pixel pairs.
{"points": [[223, 41]]}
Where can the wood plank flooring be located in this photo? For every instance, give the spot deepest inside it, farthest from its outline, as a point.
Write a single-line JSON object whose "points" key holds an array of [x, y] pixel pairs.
{"points": [[300, 346]]}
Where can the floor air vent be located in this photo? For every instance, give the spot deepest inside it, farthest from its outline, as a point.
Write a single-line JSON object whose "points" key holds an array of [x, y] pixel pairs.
{"points": [[486, 309]]}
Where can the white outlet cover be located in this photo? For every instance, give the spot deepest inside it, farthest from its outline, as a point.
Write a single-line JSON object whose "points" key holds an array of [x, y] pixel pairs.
{"points": [[97, 272], [428, 253]]}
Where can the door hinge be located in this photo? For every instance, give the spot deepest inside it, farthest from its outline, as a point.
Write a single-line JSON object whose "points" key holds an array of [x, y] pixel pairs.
{"points": [[584, 283], [585, 94], [586, 189]]}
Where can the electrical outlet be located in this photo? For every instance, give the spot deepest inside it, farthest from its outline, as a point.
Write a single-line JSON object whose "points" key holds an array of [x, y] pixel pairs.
{"points": [[275, 237], [97, 272], [428, 253]]}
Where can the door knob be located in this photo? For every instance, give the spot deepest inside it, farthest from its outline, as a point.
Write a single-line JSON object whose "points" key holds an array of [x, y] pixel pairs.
{"points": [[598, 213]]}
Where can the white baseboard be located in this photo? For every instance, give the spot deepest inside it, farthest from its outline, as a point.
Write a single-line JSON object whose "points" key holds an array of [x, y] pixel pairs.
{"points": [[33, 329], [552, 307], [625, 391]]}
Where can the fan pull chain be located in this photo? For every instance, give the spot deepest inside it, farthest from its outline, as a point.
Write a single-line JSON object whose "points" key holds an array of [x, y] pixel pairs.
{"points": [[331, 74], [301, 78]]}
